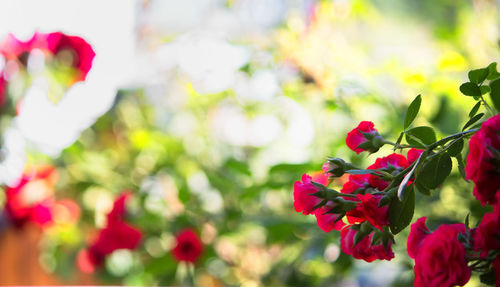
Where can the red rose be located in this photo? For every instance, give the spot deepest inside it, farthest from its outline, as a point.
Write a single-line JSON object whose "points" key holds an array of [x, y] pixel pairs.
{"points": [[303, 201], [367, 210], [483, 168], [391, 163], [413, 155], [487, 234], [418, 233], [326, 221], [31, 199], [364, 250], [117, 234], [357, 183], [440, 260], [188, 247], [79, 51], [373, 141]]}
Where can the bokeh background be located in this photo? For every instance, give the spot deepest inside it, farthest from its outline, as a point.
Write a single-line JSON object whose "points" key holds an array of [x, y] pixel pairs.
{"points": [[208, 111]]}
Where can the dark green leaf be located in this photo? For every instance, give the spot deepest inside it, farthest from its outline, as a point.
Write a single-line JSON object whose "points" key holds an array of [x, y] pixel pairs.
{"points": [[495, 93], [474, 109], [423, 190], [412, 111], [470, 89], [488, 278], [456, 147], [466, 222], [401, 212], [473, 120], [461, 166], [478, 76], [484, 89], [435, 171], [425, 135], [360, 171], [492, 71]]}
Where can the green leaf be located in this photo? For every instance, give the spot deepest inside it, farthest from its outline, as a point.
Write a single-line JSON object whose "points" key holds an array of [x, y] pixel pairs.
{"points": [[466, 222], [478, 76], [435, 171], [484, 89], [495, 93], [456, 147], [401, 212], [360, 171], [461, 166], [423, 190], [425, 135], [474, 109], [488, 278], [412, 111], [492, 71], [470, 89], [473, 120]]}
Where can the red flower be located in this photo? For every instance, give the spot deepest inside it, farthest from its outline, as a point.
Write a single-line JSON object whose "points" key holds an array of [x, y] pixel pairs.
{"points": [[116, 235], [188, 247], [80, 52], [418, 233], [368, 210], [364, 250], [487, 234], [31, 199], [440, 260], [3, 89], [357, 183], [13, 48], [303, 201], [326, 221], [413, 155], [483, 167], [355, 137], [391, 163]]}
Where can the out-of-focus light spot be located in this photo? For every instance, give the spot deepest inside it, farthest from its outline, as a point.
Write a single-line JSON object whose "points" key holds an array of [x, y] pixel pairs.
{"points": [[217, 267], [83, 262], [119, 262], [208, 233], [198, 182], [332, 252], [12, 157], [262, 86], [101, 201], [211, 201], [155, 247], [36, 62], [452, 61], [264, 129], [296, 23], [47, 262]]}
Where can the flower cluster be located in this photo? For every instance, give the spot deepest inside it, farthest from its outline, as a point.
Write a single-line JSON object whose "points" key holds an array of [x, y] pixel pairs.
{"points": [[376, 203]]}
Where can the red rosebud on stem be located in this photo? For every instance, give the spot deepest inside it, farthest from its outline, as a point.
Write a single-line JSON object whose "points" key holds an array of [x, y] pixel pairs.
{"points": [[188, 247], [364, 138]]}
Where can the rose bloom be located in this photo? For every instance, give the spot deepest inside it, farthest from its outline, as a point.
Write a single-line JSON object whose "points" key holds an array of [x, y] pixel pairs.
{"points": [[482, 168], [355, 137], [364, 250], [303, 201], [327, 221], [388, 163], [439, 256], [188, 247], [117, 234], [357, 183], [31, 199], [413, 155], [367, 210], [487, 234], [3, 89]]}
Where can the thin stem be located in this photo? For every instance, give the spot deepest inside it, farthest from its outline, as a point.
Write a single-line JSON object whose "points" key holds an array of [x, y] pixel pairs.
{"points": [[490, 110]]}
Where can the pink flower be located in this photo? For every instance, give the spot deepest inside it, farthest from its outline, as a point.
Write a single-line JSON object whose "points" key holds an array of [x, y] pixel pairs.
{"points": [[355, 137], [482, 165], [13, 48], [3, 89], [188, 247], [418, 233], [364, 250], [303, 200], [357, 183], [413, 155], [326, 221], [391, 163], [367, 210], [79, 51], [440, 260]]}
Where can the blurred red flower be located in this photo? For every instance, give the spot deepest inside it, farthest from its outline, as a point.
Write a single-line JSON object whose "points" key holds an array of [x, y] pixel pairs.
{"points": [[188, 246]]}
